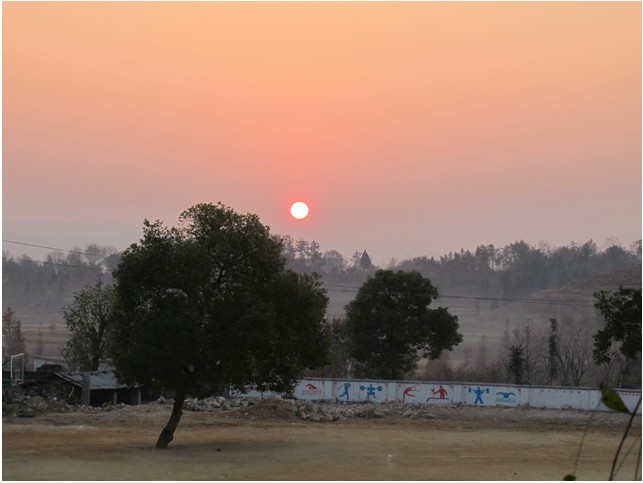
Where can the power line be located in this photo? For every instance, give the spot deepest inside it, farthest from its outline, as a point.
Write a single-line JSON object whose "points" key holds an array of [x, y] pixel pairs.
{"points": [[568, 302], [48, 248]]}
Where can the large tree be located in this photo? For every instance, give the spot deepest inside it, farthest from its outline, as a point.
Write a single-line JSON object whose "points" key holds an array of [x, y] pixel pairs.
{"points": [[209, 302], [622, 313], [391, 326], [88, 318]]}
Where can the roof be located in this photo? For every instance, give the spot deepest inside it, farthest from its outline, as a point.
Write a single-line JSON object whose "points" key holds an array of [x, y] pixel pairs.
{"points": [[98, 379]]}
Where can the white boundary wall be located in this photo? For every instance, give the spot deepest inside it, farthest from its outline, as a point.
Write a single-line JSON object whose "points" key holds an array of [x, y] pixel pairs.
{"points": [[469, 394]]}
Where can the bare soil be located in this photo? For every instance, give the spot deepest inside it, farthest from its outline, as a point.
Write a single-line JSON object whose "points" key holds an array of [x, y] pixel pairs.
{"points": [[270, 443]]}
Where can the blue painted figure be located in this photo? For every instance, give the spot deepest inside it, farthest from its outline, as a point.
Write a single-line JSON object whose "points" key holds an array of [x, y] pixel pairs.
{"points": [[479, 392], [370, 390], [506, 397], [345, 393]]}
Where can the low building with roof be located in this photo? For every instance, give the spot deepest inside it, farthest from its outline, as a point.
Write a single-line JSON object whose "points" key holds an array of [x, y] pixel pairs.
{"points": [[96, 388]]}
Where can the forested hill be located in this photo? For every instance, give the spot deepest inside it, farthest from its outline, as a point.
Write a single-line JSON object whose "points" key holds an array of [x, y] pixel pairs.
{"points": [[515, 270]]}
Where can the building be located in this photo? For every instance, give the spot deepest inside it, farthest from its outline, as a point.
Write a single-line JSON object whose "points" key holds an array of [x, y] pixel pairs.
{"points": [[96, 388]]}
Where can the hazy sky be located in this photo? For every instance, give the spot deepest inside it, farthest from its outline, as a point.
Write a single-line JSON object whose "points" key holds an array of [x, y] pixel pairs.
{"points": [[411, 129]]}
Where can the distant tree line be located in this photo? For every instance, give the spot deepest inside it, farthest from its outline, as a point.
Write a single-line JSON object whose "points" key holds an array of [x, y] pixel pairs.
{"points": [[50, 283], [519, 269], [514, 270]]}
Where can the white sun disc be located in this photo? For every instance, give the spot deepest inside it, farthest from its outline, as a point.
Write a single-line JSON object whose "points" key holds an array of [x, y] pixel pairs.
{"points": [[299, 210]]}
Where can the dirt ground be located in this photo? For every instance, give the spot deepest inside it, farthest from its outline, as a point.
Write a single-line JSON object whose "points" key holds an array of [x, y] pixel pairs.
{"points": [[468, 444]]}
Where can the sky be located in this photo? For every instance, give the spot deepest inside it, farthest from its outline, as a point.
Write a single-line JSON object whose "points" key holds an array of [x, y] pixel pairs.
{"points": [[410, 129]]}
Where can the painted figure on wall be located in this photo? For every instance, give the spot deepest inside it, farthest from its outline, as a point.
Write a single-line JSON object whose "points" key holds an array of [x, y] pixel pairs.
{"points": [[479, 392], [346, 385], [441, 392], [370, 390], [408, 392]]}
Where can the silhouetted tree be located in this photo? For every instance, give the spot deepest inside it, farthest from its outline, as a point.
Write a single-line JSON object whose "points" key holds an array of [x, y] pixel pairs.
{"points": [[209, 302], [516, 363], [391, 326], [365, 261]]}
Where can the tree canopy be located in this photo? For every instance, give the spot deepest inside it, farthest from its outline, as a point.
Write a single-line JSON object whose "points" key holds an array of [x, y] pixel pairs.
{"points": [[209, 302], [88, 319], [391, 327], [622, 313]]}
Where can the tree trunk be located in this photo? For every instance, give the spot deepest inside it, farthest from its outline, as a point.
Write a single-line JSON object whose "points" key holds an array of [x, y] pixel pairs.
{"points": [[167, 434]]}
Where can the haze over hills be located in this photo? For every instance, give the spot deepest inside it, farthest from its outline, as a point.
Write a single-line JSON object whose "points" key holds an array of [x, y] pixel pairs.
{"points": [[488, 304]]}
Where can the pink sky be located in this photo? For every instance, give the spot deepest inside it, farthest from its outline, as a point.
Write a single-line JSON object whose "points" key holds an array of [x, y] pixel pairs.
{"points": [[411, 129]]}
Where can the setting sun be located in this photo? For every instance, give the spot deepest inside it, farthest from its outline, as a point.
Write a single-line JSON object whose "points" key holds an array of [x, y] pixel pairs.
{"points": [[299, 210]]}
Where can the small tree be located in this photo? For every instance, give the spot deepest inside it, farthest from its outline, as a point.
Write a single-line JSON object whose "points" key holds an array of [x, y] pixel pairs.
{"points": [[575, 355], [391, 327], [552, 352], [516, 363], [88, 318], [210, 303], [622, 313], [13, 342], [339, 360], [365, 261]]}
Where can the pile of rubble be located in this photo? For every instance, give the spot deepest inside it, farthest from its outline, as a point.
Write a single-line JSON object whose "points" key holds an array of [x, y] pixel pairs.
{"points": [[279, 409], [317, 411], [25, 406], [17, 404]]}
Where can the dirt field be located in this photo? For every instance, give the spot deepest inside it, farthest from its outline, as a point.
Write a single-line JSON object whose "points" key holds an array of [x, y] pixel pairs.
{"points": [[459, 444]]}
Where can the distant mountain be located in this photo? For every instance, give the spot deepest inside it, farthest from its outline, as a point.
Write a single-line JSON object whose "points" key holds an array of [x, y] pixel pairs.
{"points": [[64, 235]]}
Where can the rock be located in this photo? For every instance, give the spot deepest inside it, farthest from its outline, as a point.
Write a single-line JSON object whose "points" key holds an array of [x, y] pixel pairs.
{"points": [[371, 413], [565, 406], [190, 405], [36, 402], [161, 400], [59, 406], [325, 417], [226, 406], [8, 410], [22, 411]]}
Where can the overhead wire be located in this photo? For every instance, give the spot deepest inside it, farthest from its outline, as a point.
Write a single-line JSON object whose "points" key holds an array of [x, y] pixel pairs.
{"points": [[567, 302], [48, 248], [42, 262]]}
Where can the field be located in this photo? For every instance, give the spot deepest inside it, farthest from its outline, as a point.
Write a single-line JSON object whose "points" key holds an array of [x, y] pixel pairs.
{"points": [[454, 444]]}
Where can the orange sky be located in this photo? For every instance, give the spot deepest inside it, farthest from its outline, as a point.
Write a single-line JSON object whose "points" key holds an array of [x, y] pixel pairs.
{"points": [[412, 129]]}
